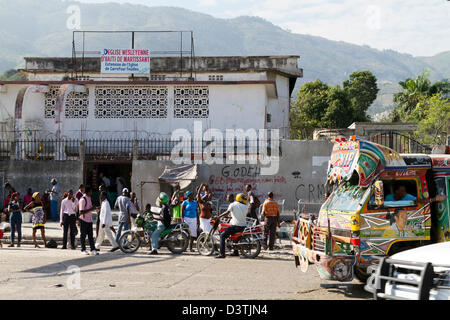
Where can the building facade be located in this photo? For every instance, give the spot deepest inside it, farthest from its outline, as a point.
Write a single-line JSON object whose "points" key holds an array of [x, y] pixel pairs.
{"points": [[221, 92]]}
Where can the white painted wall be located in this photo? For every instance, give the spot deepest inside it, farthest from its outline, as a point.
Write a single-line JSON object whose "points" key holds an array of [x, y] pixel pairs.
{"points": [[230, 107]]}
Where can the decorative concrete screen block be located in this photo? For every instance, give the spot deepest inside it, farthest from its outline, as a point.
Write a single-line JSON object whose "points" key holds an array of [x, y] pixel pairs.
{"points": [[50, 102], [131, 102], [76, 106], [191, 102]]}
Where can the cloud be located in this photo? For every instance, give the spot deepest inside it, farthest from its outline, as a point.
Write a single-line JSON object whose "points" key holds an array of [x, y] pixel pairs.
{"points": [[413, 26]]}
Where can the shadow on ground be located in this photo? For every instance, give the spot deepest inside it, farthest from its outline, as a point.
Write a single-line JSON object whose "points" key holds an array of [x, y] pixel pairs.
{"points": [[350, 290], [61, 268]]}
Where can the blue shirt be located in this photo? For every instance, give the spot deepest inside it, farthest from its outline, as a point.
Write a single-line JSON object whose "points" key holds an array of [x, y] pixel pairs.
{"points": [[407, 197], [190, 209]]}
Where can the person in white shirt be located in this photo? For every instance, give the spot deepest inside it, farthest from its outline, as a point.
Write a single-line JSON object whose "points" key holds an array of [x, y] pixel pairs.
{"points": [[105, 224], [238, 210], [104, 179], [68, 218]]}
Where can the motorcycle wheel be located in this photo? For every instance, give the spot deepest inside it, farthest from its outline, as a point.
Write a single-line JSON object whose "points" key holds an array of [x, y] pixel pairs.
{"points": [[177, 242], [205, 246], [129, 241], [250, 248]]}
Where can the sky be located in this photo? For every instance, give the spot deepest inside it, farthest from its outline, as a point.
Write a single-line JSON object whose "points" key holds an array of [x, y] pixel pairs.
{"points": [[417, 27]]}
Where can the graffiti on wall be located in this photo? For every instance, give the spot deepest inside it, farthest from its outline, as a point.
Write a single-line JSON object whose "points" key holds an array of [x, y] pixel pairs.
{"points": [[234, 179]]}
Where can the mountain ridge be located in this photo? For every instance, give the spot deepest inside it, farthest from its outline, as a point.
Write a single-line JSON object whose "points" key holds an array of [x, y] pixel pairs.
{"points": [[39, 29]]}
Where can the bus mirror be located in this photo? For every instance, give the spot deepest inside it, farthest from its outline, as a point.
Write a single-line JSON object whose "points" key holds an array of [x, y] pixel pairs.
{"points": [[379, 193]]}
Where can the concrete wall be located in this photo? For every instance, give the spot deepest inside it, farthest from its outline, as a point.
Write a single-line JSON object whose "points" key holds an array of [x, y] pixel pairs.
{"points": [[282, 64], [230, 107], [37, 174], [302, 174]]}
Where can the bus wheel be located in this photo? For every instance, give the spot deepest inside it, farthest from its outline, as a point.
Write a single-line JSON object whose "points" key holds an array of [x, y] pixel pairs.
{"points": [[361, 274]]}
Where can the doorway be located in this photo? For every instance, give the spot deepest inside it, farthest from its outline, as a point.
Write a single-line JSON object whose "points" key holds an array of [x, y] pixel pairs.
{"points": [[116, 175]]}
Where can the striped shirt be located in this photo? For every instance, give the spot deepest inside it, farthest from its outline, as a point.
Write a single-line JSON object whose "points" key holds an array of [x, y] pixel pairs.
{"points": [[270, 208]]}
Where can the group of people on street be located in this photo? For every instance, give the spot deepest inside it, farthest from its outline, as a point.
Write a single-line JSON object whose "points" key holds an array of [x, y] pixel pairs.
{"points": [[193, 208]]}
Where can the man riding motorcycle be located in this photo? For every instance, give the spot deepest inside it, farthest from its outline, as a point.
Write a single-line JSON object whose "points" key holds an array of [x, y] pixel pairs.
{"points": [[163, 218], [238, 210]]}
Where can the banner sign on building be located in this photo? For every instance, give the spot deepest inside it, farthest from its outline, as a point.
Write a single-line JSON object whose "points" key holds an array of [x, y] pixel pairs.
{"points": [[125, 61]]}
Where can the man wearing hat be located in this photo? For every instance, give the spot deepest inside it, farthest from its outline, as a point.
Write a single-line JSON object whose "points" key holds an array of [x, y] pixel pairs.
{"points": [[54, 193], [123, 203]]}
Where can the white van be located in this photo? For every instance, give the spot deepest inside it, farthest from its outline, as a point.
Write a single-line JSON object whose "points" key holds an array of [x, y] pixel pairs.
{"points": [[418, 274]]}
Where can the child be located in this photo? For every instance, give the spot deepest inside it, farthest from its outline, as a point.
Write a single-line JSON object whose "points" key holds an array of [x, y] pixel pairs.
{"points": [[39, 218], [15, 218], [148, 211]]}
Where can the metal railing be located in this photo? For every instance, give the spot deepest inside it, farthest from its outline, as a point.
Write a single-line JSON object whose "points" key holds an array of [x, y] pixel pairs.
{"points": [[400, 143], [119, 149]]}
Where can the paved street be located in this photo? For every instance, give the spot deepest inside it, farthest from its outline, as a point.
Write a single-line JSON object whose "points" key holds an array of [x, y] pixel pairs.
{"points": [[29, 273]]}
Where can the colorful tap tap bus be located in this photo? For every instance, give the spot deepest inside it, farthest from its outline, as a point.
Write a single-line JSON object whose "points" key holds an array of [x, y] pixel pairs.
{"points": [[381, 203]]}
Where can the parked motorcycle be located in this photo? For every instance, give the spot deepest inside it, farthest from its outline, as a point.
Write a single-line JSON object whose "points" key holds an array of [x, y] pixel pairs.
{"points": [[247, 242], [175, 238]]}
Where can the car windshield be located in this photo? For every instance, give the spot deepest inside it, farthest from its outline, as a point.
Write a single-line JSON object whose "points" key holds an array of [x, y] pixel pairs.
{"points": [[345, 198]]}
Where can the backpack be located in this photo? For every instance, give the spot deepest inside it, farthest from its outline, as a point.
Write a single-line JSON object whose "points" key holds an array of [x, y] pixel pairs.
{"points": [[52, 244]]}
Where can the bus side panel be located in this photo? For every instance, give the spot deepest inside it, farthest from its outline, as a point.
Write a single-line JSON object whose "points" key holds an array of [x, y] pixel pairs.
{"points": [[442, 182]]}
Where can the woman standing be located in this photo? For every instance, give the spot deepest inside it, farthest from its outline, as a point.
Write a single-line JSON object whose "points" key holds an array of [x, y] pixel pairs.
{"points": [[38, 219], [204, 197], [15, 219], [189, 214]]}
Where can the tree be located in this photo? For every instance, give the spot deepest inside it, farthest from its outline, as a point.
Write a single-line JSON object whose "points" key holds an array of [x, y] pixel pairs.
{"points": [[412, 91], [308, 110], [319, 106], [433, 116], [362, 91], [339, 113], [12, 75]]}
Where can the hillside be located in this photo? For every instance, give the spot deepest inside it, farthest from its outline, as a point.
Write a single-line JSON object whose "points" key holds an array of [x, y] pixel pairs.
{"points": [[38, 28]]}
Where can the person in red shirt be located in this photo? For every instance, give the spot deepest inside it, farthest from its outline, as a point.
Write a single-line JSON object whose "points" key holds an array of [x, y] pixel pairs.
{"points": [[28, 197], [80, 192]]}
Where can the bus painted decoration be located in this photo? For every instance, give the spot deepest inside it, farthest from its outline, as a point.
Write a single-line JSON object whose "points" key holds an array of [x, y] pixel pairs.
{"points": [[366, 158], [387, 208]]}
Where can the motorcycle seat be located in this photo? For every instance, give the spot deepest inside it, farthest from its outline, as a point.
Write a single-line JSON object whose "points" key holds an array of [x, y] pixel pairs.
{"points": [[236, 235]]}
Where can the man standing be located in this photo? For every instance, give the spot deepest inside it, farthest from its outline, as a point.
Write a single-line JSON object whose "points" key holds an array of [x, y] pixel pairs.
{"points": [[271, 214], [253, 203], [54, 193], [28, 197], [105, 224], [68, 219], [80, 192], [85, 208], [204, 197], [238, 210], [175, 202], [123, 203], [104, 179]]}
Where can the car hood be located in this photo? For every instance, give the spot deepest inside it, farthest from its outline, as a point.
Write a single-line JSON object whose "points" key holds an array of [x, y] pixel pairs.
{"points": [[437, 254]]}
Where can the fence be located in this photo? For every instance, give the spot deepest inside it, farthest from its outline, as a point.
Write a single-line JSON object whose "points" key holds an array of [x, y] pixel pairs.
{"points": [[400, 143], [124, 149]]}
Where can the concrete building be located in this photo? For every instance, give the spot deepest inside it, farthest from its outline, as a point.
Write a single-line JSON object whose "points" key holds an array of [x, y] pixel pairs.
{"points": [[71, 122], [221, 92]]}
